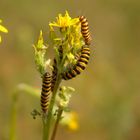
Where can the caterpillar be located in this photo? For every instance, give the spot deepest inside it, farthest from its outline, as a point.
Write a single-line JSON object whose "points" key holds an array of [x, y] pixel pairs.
{"points": [[85, 30], [46, 90], [79, 66], [54, 74]]}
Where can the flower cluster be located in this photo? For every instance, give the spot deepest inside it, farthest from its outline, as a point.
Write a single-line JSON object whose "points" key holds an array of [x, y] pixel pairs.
{"points": [[66, 32]]}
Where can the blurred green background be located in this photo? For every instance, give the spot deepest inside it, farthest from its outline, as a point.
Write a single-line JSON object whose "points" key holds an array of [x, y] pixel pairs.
{"points": [[107, 92]]}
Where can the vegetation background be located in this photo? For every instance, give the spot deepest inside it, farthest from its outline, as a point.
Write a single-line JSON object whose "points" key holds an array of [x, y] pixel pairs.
{"points": [[107, 92]]}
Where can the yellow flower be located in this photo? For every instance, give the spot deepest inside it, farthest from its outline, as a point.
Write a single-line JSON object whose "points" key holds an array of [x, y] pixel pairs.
{"points": [[73, 124], [66, 31], [63, 21], [2, 29], [70, 119], [40, 52], [40, 43]]}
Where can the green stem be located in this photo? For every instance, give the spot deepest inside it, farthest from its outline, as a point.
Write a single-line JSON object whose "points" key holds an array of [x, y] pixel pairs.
{"points": [[56, 123], [47, 120], [13, 118]]}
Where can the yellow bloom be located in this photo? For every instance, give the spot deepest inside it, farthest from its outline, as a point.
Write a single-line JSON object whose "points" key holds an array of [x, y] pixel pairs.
{"points": [[40, 52], [66, 31], [2, 29], [70, 119], [40, 43], [64, 21], [73, 124]]}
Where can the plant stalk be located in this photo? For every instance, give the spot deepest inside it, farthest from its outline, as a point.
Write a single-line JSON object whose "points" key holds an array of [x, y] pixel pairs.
{"points": [[13, 118], [47, 119], [60, 111]]}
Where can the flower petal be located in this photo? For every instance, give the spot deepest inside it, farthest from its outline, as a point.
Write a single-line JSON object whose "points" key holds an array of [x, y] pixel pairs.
{"points": [[3, 29], [0, 39]]}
